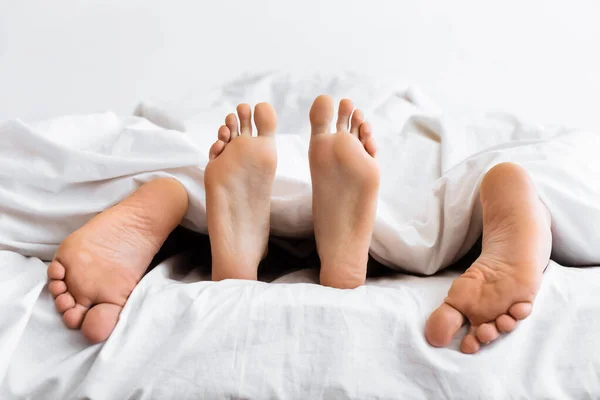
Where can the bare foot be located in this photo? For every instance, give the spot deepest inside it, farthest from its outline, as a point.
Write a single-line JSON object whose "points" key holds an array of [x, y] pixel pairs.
{"points": [[97, 267], [238, 180], [499, 288], [345, 181]]}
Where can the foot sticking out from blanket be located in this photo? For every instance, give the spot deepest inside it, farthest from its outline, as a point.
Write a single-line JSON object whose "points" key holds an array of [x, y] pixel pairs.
{"points": [[97, 267], [238, 180], [499, 288], [345, 181]]}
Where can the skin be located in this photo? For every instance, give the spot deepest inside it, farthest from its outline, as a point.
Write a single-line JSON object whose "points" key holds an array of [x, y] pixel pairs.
{"points": [[345, 181], [499, 288], [96, 268], [238, 181]]}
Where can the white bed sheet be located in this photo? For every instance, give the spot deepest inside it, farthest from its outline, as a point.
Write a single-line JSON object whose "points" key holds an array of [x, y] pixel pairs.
{"points": [[298, 340], [183, 338]]}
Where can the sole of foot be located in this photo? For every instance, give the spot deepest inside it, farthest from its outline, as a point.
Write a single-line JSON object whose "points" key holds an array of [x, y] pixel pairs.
{"points": [[345, 184], [96, 268], [238, 180], [499, 288]]}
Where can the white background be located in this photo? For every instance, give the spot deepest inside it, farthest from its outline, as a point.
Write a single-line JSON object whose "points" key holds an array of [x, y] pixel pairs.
{"points": [[539, 59]]}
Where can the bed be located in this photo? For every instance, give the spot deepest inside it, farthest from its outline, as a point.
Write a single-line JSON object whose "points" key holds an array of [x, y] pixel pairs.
{"points": [[181, 336]]}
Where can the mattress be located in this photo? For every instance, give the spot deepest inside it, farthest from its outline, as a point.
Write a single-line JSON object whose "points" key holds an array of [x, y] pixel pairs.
{"points": [[181, 336]]}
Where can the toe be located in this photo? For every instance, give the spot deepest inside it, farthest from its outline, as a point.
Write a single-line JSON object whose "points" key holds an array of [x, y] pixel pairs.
{"points": [[56, 270], [224, 134], [486, 333], [57, 287], [470, 344], [520, 311], [321, 114], [73, 317], [442, 325], [100, 321], [366, 138], [216, 149], [344, 112], [64, 302], [265, 119], [231, 122], [357, 119], [506, 323], [245, 114]]}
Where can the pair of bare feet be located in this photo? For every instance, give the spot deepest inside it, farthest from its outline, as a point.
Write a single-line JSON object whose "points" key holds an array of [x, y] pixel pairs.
{"points": [[345, 181], [97, 267]]}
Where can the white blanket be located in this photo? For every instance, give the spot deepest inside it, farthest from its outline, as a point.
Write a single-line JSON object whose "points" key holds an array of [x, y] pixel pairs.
{"points": [[254, 340]]}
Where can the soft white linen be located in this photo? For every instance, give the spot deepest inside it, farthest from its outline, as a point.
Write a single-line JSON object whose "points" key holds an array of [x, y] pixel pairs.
{"points": [[255, 340]]}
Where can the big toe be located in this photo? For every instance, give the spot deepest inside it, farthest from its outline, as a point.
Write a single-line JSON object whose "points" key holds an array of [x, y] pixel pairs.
{"points": [[321, 114], [442, 325], [100, 321], [265, 119]]}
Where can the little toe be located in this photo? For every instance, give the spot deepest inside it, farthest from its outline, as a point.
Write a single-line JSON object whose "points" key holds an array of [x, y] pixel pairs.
{"points": [[470, 344], [216, 149], [344, 112], [357, 119], [231, 122], [486, 333], [64, 302], [56, 271], [520, 311], [506, 323], [442, 325], [100, 321], [73, 317], [366, 138], [265, 119], [245, 113], [321, 114], [224, 134], [57, 287]]}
